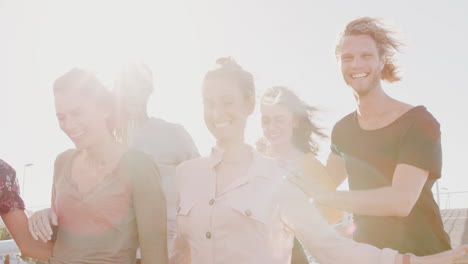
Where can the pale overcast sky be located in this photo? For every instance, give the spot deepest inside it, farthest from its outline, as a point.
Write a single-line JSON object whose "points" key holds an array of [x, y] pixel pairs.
{"points": [[281, 42]]}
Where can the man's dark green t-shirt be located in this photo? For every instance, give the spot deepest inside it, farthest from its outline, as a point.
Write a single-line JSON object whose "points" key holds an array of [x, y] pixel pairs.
{"points": [[371, 157]]}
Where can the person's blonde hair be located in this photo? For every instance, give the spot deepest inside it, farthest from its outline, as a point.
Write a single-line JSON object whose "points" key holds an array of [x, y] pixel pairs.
{"points": [[136, 76], [387, 44], [88, 85]]}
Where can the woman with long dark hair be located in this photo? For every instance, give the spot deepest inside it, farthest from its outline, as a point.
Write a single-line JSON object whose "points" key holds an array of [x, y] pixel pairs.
{"points": [[290, 137]]}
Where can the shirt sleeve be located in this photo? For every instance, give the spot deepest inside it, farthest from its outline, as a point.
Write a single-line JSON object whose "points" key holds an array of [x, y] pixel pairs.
{"points": [[62, 163], [9, 190], [334, 140], [150, 210], [187, 148], [320, 239], [421, 145]]}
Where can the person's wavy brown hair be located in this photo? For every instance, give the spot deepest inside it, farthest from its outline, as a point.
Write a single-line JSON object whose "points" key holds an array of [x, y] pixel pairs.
{"points": [[306, 131], [387, 44]]}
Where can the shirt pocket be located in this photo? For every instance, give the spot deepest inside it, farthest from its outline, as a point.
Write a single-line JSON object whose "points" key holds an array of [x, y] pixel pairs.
{"points": [[254, 211], [184, 217], [184, 208]]}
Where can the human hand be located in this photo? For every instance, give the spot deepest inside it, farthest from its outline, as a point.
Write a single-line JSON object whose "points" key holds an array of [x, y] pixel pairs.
{"points": [[40, 224], [308, 185], [261, 145]]}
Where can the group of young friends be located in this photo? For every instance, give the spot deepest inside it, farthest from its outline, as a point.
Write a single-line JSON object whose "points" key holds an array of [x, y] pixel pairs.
{"points": [[134, 181]]}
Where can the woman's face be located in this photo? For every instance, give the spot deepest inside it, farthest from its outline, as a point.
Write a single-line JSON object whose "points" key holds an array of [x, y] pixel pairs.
{"points": [[82, 119], [277, 123], [226, 109]]}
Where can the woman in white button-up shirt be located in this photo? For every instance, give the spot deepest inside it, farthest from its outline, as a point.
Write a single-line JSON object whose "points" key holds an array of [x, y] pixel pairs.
{"points": [[235, 207]]}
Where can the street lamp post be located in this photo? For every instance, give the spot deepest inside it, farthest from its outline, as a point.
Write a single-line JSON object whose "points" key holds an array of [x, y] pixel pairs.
{"points": [[24, 177]]}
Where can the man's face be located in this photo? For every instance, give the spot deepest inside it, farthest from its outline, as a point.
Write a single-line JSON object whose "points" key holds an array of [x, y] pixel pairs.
{"points": [[361, 64]]}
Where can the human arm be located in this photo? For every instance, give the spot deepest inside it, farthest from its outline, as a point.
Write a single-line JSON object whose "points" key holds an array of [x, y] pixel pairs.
{"points": [[16, 222], [318, 238], [40, 222], [328, 247], [13, 215], [150, 211], [395, 200], [417, 159], [336, 169], [310, 166]]}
